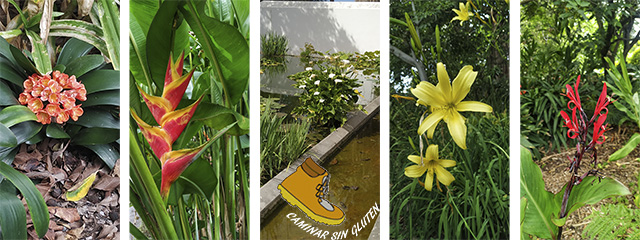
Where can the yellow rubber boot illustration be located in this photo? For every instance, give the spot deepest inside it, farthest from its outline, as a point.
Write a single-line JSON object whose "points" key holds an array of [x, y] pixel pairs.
{"points": [[307, 188]]}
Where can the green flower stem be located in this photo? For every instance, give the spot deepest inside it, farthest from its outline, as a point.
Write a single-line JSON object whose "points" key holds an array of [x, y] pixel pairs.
{"points": [[244, 184], [139, 168]]}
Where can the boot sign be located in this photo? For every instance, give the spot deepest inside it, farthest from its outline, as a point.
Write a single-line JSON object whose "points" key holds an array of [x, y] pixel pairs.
{"points": [[307, 189]]}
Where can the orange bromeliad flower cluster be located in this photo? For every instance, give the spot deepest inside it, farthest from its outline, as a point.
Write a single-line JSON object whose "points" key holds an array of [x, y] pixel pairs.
{"points": [[53, 96], [172, 123]]}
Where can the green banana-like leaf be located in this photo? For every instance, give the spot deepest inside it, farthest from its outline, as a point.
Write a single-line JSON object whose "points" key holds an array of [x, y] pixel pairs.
{"points": [[541, 207], [224, 45]]}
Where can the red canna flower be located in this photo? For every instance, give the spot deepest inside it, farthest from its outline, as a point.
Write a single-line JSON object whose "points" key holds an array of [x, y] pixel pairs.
{"points": [[578, 126], [58, 92], [601, 111]]}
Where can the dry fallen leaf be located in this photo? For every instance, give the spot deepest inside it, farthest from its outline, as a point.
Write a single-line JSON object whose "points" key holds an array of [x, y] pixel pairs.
{"points": [[81, 189]]}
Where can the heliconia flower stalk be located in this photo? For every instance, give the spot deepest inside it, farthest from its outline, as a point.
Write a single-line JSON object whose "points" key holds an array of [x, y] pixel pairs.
{"points": [[172, 124]]}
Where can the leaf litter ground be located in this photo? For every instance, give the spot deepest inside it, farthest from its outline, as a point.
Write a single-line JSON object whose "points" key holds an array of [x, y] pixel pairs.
{"points": [[555, 175], [54, 168]]}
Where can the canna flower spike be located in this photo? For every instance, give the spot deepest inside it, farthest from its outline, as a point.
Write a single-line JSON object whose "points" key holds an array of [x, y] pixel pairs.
{"points": [[445, 101], [577, 123]]}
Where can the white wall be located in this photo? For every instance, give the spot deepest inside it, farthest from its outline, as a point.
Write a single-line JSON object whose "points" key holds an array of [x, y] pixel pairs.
{"points": [[329, 26]]}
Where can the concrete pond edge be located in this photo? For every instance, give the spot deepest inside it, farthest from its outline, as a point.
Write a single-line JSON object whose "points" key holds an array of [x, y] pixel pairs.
{"points": [[270, 195]]}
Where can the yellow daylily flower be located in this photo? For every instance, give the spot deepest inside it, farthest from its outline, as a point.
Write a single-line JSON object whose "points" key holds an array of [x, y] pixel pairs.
{"points": [[432, 165], [463, 13], [446, 102]]}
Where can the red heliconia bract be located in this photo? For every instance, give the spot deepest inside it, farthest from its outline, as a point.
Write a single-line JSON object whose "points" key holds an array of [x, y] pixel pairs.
{"points": [[172, 123]]}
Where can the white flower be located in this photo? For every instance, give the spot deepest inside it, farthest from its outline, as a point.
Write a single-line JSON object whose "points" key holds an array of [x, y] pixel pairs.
{"points": [[321, 100], [317, 82], [331, 75], [325, 70], [312, 76], [308, 69], [341, 95], [345, 61], [302, 86], [350, 68], [316, 93], [337, 80]]}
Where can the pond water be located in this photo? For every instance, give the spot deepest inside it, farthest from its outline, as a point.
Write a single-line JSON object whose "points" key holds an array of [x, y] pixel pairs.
{"points": [[275, 84], [354, 187]]}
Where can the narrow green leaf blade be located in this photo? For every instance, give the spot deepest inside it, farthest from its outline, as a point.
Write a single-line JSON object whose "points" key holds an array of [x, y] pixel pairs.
{"points": [[101, 80], [6, 95], [96, 136], [110, 97], [35, 202], [627, 148]]}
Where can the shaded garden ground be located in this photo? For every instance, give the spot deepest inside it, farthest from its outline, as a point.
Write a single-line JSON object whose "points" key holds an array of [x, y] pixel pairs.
{"points": [[55, 169], [555, 175]]}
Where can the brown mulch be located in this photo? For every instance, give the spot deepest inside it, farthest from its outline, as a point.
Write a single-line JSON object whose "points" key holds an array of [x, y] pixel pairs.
{"points": [[555, 175], [55, 169]]}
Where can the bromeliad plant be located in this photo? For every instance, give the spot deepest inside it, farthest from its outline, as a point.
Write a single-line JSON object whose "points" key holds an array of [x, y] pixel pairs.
{"points": [[543, 213]]}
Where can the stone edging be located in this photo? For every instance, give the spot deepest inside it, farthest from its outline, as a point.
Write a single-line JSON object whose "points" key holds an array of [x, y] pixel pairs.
{"points": [[269, 194]]}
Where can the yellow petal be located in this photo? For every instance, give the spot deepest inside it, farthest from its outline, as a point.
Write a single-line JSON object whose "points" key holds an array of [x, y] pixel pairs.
{"points": [[426, 92], [462, 83], [444, 82], [473, 106], [446, 163], [415, 158], [414, 171], [443, 175], [432, 152], [428, 180], [457, 129], [81, 189], [430, 121], [431, 130]]}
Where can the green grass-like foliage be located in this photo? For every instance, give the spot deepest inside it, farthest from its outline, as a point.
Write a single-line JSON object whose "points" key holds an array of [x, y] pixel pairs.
{"points": [[613, 221], [273, 45], [477, 202], [280, 143]]}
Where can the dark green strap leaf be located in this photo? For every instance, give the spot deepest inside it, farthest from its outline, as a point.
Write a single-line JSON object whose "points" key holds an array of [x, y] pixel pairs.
{"points": [[55, 130], [6, 95], [73, 49], [106, 152], [97, 118], [7, 138], [95, 136], [15, 114], [35, 202], [111, 97], [101, 80], [13, 218], [84, 64]]}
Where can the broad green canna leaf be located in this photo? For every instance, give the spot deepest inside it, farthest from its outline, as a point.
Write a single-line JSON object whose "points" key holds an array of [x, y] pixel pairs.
{"points": [[157, 137], [81, 189], [175, 122]]}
